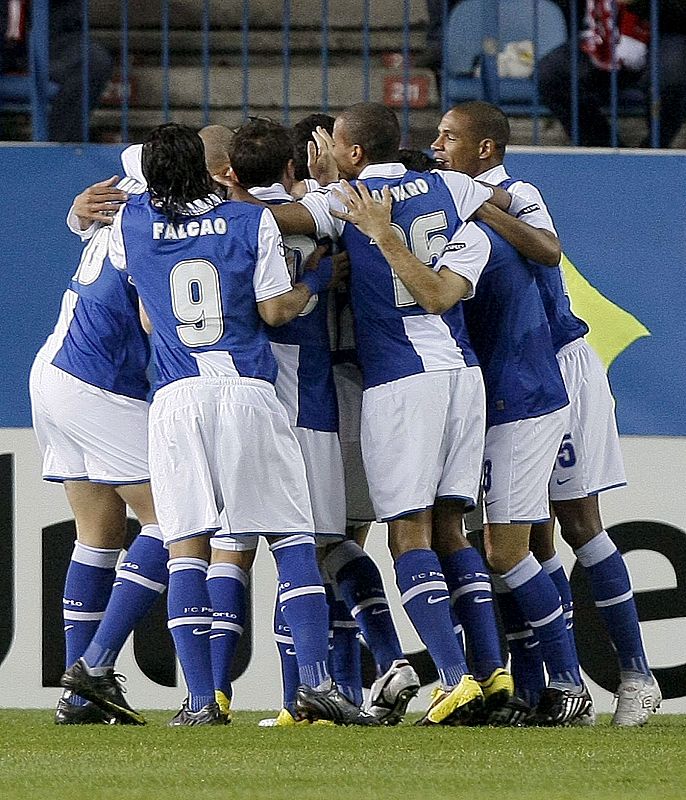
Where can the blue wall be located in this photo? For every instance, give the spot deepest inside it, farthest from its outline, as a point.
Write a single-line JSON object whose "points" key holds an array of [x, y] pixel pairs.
{"points": [[621, 218]]}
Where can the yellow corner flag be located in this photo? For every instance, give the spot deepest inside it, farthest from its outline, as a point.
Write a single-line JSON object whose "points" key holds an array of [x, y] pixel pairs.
{"points": [[612, 328]]}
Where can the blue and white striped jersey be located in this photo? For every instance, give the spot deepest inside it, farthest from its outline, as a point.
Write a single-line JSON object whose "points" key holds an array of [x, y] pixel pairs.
{"points": [[305, 381], [98, 337], [200, 278], [510, 334], [395, 336], [528, 205]]}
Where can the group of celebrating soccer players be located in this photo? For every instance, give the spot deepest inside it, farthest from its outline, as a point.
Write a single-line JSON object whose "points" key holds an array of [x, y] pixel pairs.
{"points": [[366, 342]]}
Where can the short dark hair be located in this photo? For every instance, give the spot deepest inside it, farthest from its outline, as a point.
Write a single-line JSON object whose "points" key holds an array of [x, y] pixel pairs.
{"points": [[375, 129], [487, 122], [301, 134], [415, 160], [260, 153]]}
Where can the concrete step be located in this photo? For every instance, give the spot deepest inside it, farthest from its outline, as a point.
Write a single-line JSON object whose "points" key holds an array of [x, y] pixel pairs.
{"points": [[263, 13], [229, 42], [266, 85]]}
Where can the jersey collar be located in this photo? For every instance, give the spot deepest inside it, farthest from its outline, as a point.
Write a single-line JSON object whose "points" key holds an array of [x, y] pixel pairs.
{"points": [[389, 170], [494, 175], [277, 191]]}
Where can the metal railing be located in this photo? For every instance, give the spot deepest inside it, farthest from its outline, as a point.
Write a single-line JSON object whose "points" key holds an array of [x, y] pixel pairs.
{"points": [[489, 37]]}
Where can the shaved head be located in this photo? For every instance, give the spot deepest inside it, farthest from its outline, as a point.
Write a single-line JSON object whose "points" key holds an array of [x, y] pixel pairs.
{"points": [[216, 139]]}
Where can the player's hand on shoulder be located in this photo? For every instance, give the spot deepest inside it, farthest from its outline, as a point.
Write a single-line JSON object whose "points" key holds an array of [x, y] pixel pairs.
{"points": [[99, 202], [372, 217]]}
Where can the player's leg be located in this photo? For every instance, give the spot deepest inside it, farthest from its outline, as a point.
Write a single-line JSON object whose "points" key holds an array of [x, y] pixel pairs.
{"points": [[589, 462], [280, 509], [100, 517], [638, 694], [471, 593], [140, 580], [519, 457], [227, 580], [190, 623], [425, 598]]}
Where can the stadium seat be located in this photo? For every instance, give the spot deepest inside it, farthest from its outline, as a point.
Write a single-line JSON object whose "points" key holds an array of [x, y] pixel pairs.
{"points": [[478, 29], [33, 91]]}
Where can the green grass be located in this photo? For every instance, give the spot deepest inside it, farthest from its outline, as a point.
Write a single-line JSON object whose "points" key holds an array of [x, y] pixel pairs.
{"points": [[40, 760]]}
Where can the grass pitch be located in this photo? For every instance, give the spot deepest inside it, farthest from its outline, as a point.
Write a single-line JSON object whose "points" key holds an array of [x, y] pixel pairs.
{"points": [[40, 760]]}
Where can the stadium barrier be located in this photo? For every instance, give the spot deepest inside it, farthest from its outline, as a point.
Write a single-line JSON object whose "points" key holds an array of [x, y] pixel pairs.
{"points": [[615, 213], [491, 51]]}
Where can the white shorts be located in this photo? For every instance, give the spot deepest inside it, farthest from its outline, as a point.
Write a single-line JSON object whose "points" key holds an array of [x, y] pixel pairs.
{"points": [[86, 433], [324, 468], [348, 379], [225, 443], [590, 458], [518, 461], [423, 438]]}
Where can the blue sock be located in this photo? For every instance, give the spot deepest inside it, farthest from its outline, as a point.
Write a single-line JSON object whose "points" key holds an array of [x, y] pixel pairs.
{"points": [[290, 676], [553, 566], [539, 602], [360, 585], [470, 590], [303, 604], [345, 660], [190, 622], [425, 597], [526, 660], [140, 579], [614, 599], [87, 589], [226, 587]]}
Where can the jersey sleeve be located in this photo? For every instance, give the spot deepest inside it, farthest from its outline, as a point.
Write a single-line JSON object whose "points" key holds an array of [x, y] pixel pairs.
{"points": [[467, 194], [466, 254], [528, 205], [271, 277], [117, 250], [74, 227], [319, 203]]}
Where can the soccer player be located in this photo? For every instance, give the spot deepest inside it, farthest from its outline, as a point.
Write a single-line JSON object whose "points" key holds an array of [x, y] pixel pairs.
{"points": [[423, 404], [359, 602], [472, 138], [208, 274], [88, 388]]}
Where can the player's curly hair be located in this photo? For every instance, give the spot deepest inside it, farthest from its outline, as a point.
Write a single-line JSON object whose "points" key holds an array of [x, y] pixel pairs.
{"points": [[301, 133], [173, 163]]}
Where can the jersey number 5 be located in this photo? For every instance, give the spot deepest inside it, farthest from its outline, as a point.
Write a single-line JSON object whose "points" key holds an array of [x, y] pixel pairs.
{"points": [[196, 302]]}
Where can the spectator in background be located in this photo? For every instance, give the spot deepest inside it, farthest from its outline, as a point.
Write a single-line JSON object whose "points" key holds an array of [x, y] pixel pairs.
{"points": [[632, 42], [65, 117]]}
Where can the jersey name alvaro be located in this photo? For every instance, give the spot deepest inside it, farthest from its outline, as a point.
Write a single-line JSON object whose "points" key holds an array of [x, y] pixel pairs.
{"points": [[199, 278], [98, 337], [395, 336], [510, 334], [305, 380], [528, 204]]}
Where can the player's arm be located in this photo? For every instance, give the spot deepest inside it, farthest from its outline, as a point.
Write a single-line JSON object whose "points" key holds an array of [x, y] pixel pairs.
{"points": [[437, 291], [277, 301], [292, 218], [536, 244], [500, 198], [145, 319]]}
